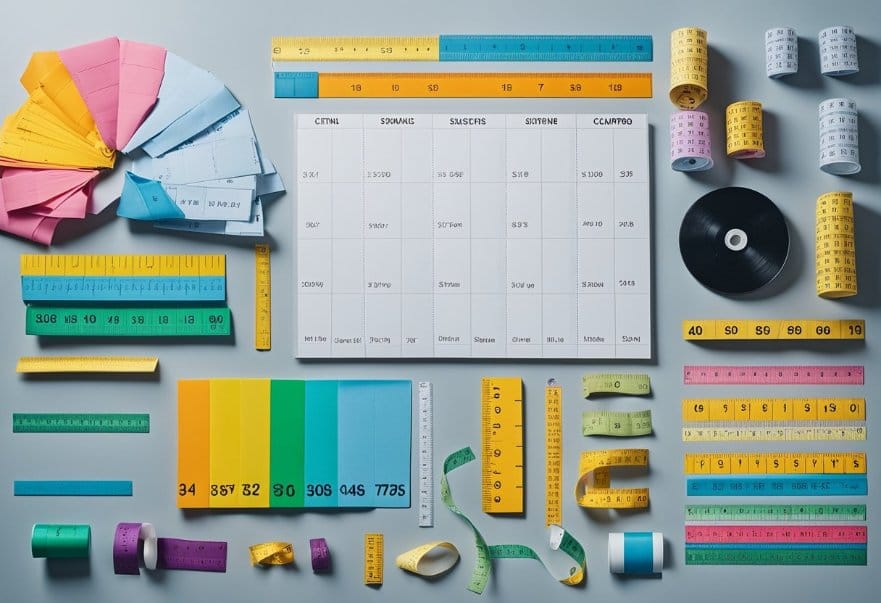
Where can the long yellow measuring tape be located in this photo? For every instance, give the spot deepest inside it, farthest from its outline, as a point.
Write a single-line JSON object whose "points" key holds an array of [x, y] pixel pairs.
{"points": [[724, 463], [356, 48], [772, 329], [122, 265], [262, 298], [553, 454], [429, 559], [501, 400], [87, 364], [374, 551], [594, 479], [271, 553]]}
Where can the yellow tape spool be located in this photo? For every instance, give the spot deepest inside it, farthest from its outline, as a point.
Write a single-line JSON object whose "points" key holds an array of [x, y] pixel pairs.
{"points": [[553, 454], [744, 137], [772, 329], [836, 253], [272, 553], [688, 67], [594, 479], [430, 559], [373, 558], [763, 463]]}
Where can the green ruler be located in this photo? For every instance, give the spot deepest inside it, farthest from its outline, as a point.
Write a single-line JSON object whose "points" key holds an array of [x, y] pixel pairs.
{"points": [[612, 423], [631, 384], [758, 512], [774, 556], [80, 423], [127, 322]]}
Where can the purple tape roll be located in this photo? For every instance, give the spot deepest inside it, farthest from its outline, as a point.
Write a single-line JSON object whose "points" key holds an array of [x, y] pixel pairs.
{"points": [[199, 555], [320, 555], [126, 557]]}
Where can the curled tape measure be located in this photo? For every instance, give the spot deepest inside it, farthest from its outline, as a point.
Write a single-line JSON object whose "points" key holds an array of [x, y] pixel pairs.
{"points": [[594, 479], [777, 513], [792, 463], [830, 554], [127, 322], [373, 558], [126, 542], [560, 539], [60, 541], [320, 555], [271, 553], [789, 534], [553, 454], [772, 329], [633, 384], [86, 364], [620, 424], [688, 67], [744, 137], [80, 423], [773, 375], [501, 400], [835, 250], [430, 559]]}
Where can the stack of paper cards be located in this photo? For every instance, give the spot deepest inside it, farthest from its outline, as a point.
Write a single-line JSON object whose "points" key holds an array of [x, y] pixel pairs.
{"points": [[198, 164]]}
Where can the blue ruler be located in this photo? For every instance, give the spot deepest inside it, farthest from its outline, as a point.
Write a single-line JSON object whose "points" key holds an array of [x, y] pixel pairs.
{"points": [[586, 48], [122, 288], [73, 488], [779, 485]]}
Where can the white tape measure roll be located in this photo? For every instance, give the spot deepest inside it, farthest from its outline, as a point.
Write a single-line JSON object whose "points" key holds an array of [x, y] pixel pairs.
{"points": [[781, 52], [839, 137], [690, 149], [838, 51]]}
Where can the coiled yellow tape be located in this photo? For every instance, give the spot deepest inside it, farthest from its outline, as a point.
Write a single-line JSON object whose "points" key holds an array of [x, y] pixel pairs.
{"points": [[688, 67], [594, 479], [430, 559], [272, 553], [744, 137], [836, 253]]}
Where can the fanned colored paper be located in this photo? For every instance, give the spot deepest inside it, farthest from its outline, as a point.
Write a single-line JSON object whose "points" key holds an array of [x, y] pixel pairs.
{"points": [[141, 68], [202, 116], [24, 188], [34, 228], [95, 70], [72, 204], [145, 199]]}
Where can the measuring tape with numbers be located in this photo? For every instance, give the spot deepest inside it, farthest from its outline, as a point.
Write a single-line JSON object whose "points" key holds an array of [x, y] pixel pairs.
{"points": [[271, 553], [773, 409], [779, 485], [594, 479], [86, 364], [560, 539], [426, 454], [92, 278], [553, 454], [262, 298], [773, 375], [311, 84], [80, 423], [373, 558], [72, 488], [464, 48], [777, 513], [632, 384], [127, 322], [320, 555], [789, 463], [772, 432], [619, 424], [760, 330], [501, 403], [831, 554], [788, 534], [441, 557]]}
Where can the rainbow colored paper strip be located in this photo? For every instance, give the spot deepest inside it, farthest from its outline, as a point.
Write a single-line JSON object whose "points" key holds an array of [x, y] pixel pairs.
{"points": [[278, 443]]}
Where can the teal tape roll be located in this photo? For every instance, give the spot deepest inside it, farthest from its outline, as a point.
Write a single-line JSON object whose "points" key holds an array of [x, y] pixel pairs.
{"points": [[60, 541], [636, 552]]}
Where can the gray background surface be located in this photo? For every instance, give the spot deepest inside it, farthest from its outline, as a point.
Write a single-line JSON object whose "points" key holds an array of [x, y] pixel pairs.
{"points": [[232, 40]]}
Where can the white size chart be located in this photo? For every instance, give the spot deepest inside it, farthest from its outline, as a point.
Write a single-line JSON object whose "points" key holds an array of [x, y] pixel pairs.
{"points": [[473, 236]]}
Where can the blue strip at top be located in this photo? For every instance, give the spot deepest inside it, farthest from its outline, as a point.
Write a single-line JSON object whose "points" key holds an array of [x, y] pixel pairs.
{"points": [[296, 84], [73, 488], [556, 48], [123, 288], [778, 485]]}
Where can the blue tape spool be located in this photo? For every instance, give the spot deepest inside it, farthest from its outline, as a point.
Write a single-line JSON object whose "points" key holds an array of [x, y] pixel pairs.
{"points": [[636, 552]]}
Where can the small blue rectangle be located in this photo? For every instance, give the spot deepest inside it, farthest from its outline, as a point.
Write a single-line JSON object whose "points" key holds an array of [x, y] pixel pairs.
{"points": [[549, 48], [296, 84], [779, 485], [73, 488], [123, 288]]}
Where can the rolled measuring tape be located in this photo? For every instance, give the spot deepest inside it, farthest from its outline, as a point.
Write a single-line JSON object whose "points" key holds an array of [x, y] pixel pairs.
{"points": [[320, 555], [593, 489], [838, 51], [60, 541], [836, 251], [688, 67], [271, 553], [430, 559], [636, 552], [126, 555], [690, 149], [839, 137], [781, 52], [744, 137]]}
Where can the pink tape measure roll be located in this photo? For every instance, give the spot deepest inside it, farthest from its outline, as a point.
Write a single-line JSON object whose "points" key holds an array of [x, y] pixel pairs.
{"points": [[690, 149]]}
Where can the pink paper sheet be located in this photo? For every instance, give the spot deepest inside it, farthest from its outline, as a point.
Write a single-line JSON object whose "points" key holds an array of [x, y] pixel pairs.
{"points": [[94, 68], [35, 228], [24, 188], [141, 68]]}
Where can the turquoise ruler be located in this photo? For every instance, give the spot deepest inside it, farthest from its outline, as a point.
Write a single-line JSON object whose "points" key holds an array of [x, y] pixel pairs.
{"points": [[80, 423], [127, 322]]}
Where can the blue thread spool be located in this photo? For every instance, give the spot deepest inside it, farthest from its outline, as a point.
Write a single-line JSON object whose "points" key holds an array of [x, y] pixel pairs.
{"points": [[636, 552]]}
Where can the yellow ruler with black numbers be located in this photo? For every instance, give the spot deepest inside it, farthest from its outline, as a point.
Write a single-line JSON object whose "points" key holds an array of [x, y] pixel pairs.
{"points": [[553, 454], [772, 329], [501, 400], [373, 558], [763, 463], [262, 298]]}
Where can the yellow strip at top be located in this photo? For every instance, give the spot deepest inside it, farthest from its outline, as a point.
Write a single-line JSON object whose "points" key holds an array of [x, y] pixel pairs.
{"points": [[123, 265], [356, 48], [724, 463], [86, 364], [772, 329]]}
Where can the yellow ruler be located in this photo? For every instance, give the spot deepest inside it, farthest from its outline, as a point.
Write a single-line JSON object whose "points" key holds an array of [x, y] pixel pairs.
{"points": [[501, 400], [86, 364], [772, 329], [594, 490], [355, 48], [772, 432], [723, 463], [262, 298], [553, 454], [373, 558], [122, 265], [773, 409]]}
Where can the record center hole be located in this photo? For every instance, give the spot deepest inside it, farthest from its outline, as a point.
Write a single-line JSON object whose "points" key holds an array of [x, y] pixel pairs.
{"points": [[735, 239]]}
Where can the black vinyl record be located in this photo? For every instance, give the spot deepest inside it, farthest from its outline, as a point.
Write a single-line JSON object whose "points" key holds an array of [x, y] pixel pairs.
{"points": [[734, 240]]}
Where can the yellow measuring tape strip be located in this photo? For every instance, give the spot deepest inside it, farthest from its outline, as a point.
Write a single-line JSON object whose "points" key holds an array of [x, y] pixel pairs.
{"points": [[772, 329], [373, 558], [836, 263], [553, 454], [773, 409], [632, 384], [87, 364], [430, 559], [618, 424], [723, 463], [688, 67], [355, 48], [262, 298], [123, 265], [744, 137], [594, 479], [772, 432], [501, 400], [272, 553]]}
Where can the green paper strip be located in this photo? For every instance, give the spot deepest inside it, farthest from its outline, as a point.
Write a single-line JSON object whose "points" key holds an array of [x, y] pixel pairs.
{"points": [[631, 384], [618, 424]]}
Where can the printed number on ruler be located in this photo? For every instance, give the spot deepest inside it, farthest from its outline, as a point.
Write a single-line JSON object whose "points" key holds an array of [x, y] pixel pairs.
{"points": [[502, 472], [618, 424], [633, 384], [373, 558], [80, 423], [262, 298], [594, 490], [775, 512], [553, 454], [723, 463], [755, 534], [747, 330], [773, 375]]}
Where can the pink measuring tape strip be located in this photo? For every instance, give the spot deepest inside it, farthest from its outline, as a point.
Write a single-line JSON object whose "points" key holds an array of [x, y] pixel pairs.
{"points": [[789, 534], [772, 375], [690, 149]]}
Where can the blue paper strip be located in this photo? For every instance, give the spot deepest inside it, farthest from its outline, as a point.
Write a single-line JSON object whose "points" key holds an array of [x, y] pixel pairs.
{"points": [[123, 288], [586, 48], [73, 488], [638, 553], [778, 485]]}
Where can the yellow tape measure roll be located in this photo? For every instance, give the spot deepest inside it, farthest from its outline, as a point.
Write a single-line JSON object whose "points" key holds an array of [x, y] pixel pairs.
{"points": [[374, 562], [836, 252], [744, 137], [553, 454], [762, 463], [430, 559], [594, 479], [772, 330], [688, 67], [272, 553]]}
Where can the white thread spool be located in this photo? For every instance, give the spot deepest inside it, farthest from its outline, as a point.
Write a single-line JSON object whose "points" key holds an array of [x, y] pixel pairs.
{"points": [[636, 552], [839, 137], [690, 141], [781, 52], [838, 51]]}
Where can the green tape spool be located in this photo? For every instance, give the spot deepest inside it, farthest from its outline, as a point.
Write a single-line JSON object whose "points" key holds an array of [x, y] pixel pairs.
{"points": [[60, 541]]}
